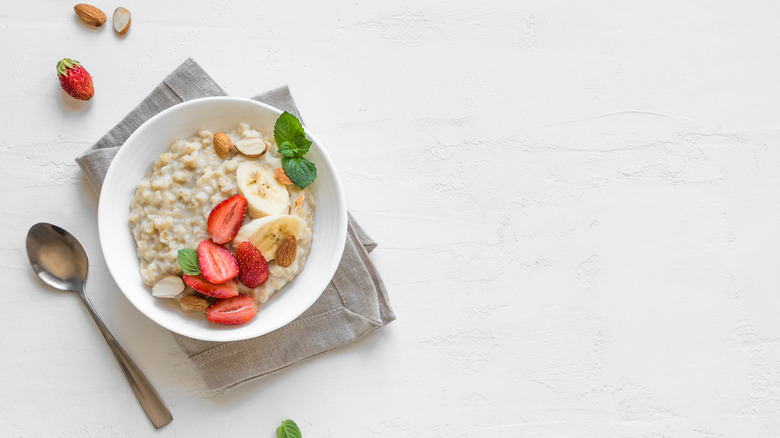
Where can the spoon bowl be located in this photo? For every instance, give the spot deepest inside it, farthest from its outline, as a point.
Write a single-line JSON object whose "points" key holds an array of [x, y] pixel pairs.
{"points": [[60, 261], [57, 257]]}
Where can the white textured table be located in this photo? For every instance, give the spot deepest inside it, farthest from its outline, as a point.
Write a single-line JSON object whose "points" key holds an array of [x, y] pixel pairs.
{"points": [[577, 205]]}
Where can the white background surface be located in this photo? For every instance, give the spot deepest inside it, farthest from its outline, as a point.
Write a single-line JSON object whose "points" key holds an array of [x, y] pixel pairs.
{"points": [[577, 205]]}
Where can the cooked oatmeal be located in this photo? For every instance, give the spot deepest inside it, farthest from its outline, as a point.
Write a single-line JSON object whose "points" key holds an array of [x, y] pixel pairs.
{"points": [[172, 203]]}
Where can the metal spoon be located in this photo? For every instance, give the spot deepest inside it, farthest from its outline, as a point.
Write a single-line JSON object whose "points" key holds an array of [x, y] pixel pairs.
{"points": [[60, 261]]}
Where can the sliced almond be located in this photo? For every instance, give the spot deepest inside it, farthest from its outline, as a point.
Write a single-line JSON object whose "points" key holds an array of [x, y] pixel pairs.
{"points": [[90, 14], [194, 302], [222, 144], [299, 201], [121, 20], [285, 252], [168, 287], [252, 147], [281, 176]]}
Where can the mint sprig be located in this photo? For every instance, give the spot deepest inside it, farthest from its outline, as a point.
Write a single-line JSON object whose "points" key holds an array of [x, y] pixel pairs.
{"points": [[188, 261], [293, 144], [288, 429]]}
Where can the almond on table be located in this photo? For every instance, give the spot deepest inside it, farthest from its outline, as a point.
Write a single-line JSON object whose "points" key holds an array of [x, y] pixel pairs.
{"points": [[90, 14], [122, 20]]}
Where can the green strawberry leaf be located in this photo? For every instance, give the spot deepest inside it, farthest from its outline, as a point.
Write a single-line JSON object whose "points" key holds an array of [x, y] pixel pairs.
{"points": [[287, 128], [66, 64], [300, 170], [288, 429], [188, 261]]}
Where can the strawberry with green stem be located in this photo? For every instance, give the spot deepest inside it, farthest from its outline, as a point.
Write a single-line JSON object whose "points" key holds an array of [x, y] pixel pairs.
{"points": [[75, 80]]}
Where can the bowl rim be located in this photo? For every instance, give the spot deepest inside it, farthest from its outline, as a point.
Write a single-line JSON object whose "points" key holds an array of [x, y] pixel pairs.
{"points": [[220, 335]]}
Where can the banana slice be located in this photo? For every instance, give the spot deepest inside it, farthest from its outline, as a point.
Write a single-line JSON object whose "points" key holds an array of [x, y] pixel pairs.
{"points": [[268, 232], [264, 195]]}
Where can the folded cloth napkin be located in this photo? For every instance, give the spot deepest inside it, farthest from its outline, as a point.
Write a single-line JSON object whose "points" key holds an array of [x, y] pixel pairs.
{"points": [[354, 303]]}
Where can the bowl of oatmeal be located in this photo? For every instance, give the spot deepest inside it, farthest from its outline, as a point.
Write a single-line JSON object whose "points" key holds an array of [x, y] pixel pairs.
{"points": [[158, 197]]}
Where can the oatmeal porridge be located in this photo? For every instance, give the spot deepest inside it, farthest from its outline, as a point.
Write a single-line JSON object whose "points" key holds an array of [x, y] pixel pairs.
{"points": [[171, 207]]}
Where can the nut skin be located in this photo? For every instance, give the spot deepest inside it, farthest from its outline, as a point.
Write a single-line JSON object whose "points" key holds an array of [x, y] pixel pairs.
{"points": [[281, 176], [222, 144], [286, 251], [195, 302], [90, 14]]}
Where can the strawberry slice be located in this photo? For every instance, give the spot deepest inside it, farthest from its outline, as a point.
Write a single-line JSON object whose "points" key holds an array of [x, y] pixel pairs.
{"points": [[252, 267], [226, 219], [231, 311], [224, 290], [217, 264]]}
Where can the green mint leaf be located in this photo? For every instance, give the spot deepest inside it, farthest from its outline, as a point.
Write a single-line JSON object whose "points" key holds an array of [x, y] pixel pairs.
{"points": [[288, 429], [188, 261], [300, 170], [302, 145], [288, 149], [287, 128], [293, 144]]}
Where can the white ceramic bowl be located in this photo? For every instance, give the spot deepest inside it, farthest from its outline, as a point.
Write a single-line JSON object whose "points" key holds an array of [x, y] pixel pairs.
{"points": [[135, 159]]}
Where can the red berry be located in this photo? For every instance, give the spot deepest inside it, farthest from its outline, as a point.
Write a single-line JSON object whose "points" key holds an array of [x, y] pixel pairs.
{"points": [[252, 267], [226, 219], [230, 311], [224, 290], [217, 264], [75, 80]]}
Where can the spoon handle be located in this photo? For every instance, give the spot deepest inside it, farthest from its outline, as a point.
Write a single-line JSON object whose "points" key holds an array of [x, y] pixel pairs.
{"points": [[150, 401]]}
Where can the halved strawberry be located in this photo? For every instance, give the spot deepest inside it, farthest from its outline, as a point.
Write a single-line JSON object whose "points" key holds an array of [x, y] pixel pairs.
{"points": [[252, 267], [230, 311], [226, 218], [224, 290], [217, 264]]}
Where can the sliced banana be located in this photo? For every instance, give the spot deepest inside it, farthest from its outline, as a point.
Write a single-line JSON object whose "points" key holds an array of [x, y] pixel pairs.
{"points": [[265, 196], [268, 232]]}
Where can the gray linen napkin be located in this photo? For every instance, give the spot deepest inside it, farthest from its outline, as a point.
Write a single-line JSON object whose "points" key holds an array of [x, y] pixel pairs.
{"points": [[354, 303]]}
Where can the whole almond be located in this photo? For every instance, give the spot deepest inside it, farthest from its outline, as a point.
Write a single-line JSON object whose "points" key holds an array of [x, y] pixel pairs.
{"points": [[194, 302], [285, 252], [121, 20], [222, 144], [90, 14]]}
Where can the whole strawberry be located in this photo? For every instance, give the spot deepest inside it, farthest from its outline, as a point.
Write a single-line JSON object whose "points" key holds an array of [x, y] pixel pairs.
{"points": [[75, 80], [252, 267]]}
